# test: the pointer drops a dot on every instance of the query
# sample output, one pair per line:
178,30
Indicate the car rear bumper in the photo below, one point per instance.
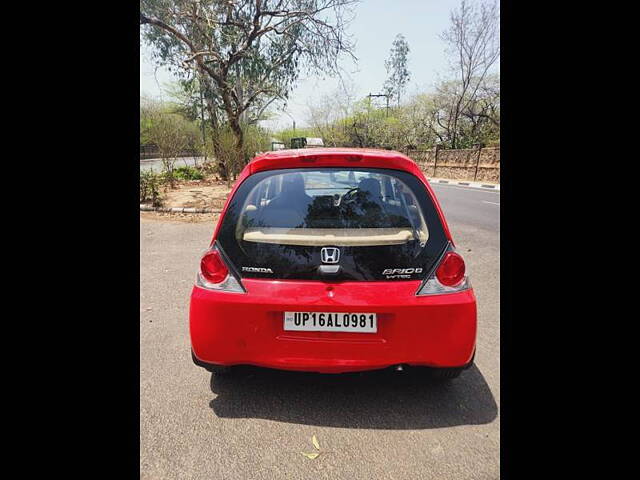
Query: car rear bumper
233,328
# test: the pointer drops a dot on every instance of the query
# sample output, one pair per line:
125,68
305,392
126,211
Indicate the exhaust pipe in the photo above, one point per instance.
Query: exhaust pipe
399,368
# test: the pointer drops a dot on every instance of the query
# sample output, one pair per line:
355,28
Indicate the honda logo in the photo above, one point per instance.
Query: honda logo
330,255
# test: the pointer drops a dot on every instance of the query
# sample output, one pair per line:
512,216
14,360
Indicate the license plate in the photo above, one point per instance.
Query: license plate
331,322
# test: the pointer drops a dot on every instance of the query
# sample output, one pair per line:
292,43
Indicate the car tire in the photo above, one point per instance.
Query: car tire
218,370
450,373
445,374
221,371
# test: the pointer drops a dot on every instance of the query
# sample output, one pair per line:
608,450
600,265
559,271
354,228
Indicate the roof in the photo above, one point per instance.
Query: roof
330,151
333,157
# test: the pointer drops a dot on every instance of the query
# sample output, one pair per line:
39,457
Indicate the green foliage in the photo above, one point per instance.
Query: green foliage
397,69
184,97
256,140
247,54
287,134
188,173
167,125
150,183
171,132
421,122
478,118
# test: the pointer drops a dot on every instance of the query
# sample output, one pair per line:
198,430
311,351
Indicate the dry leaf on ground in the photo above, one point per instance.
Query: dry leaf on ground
311,456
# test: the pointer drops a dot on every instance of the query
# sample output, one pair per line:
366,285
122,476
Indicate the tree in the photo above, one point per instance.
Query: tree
327,115
478,120
148,108
421,122
473,43
398,74
173,134
483,113
250,53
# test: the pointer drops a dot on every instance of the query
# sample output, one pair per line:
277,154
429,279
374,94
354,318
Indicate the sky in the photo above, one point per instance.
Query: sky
376,24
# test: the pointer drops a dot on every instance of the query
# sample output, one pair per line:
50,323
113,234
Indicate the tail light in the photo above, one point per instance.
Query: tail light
212,267
448,277
214,273
450,272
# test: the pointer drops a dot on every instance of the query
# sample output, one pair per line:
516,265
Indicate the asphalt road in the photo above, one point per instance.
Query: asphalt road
194,425
156,163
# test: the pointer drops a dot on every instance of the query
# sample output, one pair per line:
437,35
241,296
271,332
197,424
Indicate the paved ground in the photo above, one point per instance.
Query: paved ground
196,426
156,163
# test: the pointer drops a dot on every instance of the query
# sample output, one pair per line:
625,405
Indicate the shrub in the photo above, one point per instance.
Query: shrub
187,173
150,187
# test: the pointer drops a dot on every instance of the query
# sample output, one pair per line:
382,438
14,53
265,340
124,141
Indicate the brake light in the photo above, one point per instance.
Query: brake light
215,275
212,267
450,272
449,276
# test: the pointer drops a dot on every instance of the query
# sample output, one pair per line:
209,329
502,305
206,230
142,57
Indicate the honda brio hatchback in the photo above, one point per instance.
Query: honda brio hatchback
333,260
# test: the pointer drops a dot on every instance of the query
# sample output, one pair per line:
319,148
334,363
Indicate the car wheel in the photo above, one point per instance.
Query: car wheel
446,373
451,372
221,371
215,369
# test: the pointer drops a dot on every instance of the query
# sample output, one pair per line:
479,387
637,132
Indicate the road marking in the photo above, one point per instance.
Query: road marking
468,189
494,203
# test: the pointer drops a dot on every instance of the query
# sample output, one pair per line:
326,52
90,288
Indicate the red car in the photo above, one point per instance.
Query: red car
333,260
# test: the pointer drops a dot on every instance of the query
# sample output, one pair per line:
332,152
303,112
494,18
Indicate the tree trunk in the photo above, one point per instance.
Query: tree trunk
237,131
215,140
234,123
223,172
454,133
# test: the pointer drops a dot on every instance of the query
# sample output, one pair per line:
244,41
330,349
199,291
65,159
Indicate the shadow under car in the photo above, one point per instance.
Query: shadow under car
382,399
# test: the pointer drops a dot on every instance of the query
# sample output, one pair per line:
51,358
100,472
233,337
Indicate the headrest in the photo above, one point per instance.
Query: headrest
372,186
293,183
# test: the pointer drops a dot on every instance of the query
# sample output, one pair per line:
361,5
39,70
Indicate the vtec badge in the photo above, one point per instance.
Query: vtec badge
400,272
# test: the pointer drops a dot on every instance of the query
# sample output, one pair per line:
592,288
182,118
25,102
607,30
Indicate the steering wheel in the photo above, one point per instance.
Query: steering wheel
346,197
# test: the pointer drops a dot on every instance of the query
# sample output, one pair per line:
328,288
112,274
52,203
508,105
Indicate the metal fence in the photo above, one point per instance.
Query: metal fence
477,164
152,151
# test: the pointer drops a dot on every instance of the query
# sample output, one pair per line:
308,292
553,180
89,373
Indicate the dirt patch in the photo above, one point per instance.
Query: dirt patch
209,193
197,194
179,217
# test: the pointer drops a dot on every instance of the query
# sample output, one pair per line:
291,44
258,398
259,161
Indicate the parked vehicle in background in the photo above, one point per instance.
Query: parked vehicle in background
306,142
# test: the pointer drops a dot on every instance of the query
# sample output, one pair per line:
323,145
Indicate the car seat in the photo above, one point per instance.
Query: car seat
289,208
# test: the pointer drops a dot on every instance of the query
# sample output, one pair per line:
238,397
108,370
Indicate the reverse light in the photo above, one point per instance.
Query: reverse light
214,273
449,276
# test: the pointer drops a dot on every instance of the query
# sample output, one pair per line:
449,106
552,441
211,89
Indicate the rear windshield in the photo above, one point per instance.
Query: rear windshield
332,224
